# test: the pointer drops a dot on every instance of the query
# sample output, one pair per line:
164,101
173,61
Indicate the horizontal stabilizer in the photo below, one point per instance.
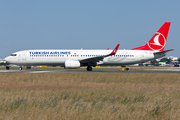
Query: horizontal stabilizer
163,52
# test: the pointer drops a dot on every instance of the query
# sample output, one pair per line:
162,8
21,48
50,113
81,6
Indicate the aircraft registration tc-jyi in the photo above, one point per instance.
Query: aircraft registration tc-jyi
76,58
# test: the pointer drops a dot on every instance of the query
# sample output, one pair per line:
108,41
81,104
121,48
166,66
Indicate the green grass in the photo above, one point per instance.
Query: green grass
99,96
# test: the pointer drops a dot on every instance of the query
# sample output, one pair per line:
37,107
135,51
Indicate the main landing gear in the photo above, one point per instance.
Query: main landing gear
7,67
89,68
28,67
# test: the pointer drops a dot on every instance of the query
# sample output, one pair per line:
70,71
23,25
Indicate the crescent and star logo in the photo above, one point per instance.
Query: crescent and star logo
157,42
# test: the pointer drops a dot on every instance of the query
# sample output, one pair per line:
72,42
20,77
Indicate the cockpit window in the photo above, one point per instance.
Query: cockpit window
13,54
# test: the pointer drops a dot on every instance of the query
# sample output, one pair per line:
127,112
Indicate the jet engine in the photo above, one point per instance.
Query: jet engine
71,64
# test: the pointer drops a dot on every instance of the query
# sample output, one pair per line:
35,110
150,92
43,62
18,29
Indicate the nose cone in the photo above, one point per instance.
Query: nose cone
8,59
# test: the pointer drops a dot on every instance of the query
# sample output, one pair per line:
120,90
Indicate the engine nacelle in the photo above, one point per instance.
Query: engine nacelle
71,64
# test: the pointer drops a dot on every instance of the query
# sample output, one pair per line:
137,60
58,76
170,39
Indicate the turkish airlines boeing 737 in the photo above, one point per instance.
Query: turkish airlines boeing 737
76,58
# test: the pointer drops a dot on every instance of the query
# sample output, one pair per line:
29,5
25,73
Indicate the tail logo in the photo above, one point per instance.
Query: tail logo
157,42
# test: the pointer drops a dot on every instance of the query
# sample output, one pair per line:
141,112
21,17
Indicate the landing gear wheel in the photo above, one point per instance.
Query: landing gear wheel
28,67
89,68
7,67
20,68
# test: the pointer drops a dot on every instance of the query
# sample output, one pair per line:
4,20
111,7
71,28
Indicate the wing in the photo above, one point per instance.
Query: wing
94,60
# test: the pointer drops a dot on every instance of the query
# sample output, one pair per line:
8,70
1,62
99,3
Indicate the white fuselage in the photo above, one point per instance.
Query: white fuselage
58,57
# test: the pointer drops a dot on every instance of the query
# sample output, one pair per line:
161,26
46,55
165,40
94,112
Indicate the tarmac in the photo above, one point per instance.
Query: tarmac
132,70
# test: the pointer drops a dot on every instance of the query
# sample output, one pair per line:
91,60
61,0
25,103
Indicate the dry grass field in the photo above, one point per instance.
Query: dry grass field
89,96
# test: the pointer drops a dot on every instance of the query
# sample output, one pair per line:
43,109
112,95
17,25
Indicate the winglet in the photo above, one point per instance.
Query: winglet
115,50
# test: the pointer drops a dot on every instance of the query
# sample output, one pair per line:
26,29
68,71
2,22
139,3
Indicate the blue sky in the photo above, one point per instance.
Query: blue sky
87,24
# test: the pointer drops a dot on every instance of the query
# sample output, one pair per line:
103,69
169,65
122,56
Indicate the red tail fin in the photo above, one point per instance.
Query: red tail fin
158,41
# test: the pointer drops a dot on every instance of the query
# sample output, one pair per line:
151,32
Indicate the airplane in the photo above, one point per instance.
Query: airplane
152,50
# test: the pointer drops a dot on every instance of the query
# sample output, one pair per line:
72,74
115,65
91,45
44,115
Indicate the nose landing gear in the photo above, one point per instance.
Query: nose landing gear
20,68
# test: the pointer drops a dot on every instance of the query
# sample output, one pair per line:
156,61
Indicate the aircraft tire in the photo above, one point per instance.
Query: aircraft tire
7,67
20,68
89,68
28,67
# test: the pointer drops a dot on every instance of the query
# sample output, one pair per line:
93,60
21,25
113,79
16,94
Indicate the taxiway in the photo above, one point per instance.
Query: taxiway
100,70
